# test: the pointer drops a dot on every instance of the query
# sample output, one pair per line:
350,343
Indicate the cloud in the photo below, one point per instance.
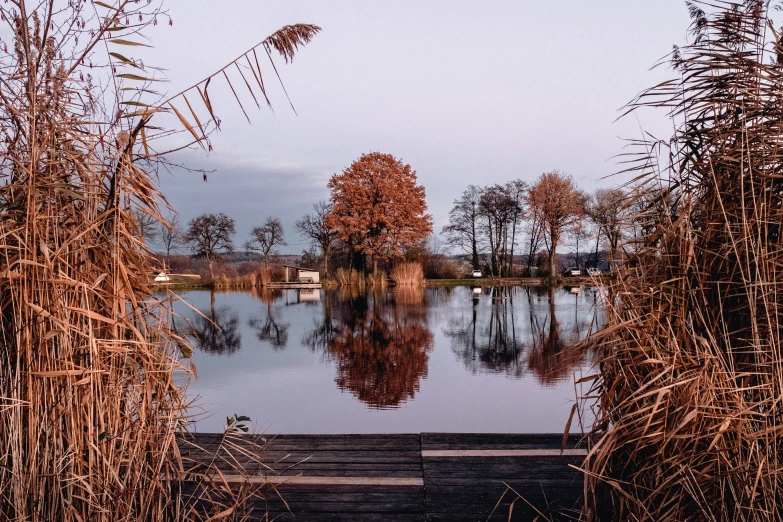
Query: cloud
247,190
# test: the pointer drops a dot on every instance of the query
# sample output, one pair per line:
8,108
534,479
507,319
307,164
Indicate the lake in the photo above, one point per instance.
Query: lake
398,361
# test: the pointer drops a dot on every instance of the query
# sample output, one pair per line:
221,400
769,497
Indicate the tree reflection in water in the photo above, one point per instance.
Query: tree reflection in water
216,330
269,328
381,346
501,342
489,344
553,356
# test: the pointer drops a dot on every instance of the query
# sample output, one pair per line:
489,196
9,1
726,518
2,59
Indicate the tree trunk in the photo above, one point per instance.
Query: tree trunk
475,248
492,252
513,237
552,248
326,262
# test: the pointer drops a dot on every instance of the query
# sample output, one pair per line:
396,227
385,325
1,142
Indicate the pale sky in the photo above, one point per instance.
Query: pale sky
466,92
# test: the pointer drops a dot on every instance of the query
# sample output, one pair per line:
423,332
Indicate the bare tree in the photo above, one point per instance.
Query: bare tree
496,206
517,191
265,238
146,226
313,226
462,230
558,202
171,235
580,232
535,230
608,209
211,234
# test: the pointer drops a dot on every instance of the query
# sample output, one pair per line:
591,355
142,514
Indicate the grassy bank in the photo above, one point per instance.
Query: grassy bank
226,285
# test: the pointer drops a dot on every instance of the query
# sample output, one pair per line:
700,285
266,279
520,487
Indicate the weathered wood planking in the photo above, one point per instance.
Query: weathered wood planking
432,476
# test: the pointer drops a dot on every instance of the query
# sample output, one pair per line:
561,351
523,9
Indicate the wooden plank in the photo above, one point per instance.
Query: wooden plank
538,452
322,456
476,441
323,480
343,517
326,505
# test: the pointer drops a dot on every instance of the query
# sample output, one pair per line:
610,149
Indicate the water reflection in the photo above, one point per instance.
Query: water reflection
502,339
404,360
491,343
554,354
269,328
380,346
216,330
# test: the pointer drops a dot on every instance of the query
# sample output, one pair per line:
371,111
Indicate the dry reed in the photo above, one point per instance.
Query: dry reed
349,277
264,276
408,274
689,421
91,390
259,278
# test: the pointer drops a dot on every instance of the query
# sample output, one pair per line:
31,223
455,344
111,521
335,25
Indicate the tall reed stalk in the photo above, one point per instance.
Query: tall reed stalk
89,404
689,420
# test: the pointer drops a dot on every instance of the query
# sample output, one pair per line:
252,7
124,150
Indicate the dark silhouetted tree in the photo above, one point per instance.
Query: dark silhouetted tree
609,210
171,235
463,228
146,226
313,227
496,207
266,238
210,235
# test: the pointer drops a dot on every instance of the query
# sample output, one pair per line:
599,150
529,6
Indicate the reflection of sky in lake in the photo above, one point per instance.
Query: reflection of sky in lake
440,359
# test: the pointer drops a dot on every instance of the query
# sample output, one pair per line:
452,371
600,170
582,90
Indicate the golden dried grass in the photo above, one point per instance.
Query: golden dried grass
409,274
91,387
689,420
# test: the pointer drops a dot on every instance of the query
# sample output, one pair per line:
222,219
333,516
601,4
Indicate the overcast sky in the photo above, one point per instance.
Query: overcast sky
466,92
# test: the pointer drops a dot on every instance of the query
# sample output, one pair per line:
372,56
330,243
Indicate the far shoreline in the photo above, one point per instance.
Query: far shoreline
537,282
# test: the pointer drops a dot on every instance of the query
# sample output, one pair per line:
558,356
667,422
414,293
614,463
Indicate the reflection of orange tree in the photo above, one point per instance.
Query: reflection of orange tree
380,360
551,356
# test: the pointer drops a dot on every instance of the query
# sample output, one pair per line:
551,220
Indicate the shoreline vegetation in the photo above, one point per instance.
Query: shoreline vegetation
243,283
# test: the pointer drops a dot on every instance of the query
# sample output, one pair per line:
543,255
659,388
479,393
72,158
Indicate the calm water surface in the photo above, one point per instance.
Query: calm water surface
401,361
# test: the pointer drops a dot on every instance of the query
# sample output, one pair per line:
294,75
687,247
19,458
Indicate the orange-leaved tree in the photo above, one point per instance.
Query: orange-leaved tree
557,202
379,209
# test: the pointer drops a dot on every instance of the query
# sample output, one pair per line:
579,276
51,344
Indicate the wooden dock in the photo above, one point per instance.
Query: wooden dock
293,285
403,478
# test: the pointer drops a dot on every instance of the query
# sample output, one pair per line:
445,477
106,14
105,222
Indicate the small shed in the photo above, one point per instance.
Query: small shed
297,274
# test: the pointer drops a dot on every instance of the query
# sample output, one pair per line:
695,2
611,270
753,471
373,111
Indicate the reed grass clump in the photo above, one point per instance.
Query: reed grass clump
91,388
264,276
689,422
409,274
349,277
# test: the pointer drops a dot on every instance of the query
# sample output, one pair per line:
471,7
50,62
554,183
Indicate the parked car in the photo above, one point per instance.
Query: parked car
573,271
477,273
593,271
